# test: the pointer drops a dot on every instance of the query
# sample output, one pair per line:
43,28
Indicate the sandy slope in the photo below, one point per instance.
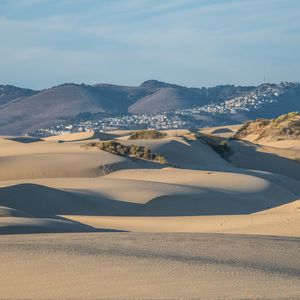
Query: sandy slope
83,136
285,144
222,131
166,192
260,157
48,159
206,197
12,225
183,153
229,179
11,212
279,224
149,266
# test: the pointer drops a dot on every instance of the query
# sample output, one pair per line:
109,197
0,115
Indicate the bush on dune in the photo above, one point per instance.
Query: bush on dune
218,144
134,151
147,135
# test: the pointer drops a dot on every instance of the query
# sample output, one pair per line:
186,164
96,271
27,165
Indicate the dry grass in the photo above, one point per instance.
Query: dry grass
286,126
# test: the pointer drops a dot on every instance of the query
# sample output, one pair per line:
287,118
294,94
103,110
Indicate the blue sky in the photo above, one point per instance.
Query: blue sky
188,42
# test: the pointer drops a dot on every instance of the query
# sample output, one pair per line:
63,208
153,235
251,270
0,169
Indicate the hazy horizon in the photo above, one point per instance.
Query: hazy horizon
187,42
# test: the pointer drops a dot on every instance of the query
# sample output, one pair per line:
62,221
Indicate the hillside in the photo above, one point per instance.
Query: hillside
58,104
166,99
25,111
10,92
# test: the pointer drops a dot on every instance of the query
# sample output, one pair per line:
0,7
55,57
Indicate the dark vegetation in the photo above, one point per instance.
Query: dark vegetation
218,144
133,151
147,135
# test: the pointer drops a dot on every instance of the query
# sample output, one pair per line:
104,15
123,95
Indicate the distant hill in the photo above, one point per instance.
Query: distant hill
10,92
25,110
62,102
167,97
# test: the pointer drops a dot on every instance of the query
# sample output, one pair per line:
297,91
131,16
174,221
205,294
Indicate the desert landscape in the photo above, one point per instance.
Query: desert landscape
171,214
149,150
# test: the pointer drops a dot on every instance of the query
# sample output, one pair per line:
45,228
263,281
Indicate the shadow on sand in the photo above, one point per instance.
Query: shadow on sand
40,201
24,139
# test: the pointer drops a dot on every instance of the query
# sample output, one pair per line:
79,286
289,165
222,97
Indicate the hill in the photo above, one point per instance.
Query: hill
58,104
25,111
166,99
10,92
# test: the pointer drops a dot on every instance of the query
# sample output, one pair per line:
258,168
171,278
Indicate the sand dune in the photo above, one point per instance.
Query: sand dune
222,131
206,194
61,165
83,136
52,160
230,179
162,192
292,207
284,144
13,225
11,212
47,179
275,224
197,230
183,153
253,156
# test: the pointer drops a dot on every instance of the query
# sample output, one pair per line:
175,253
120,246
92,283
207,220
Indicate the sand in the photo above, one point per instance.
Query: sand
248,155
149,266
222,131
200,226
53,179
50,159
281,224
